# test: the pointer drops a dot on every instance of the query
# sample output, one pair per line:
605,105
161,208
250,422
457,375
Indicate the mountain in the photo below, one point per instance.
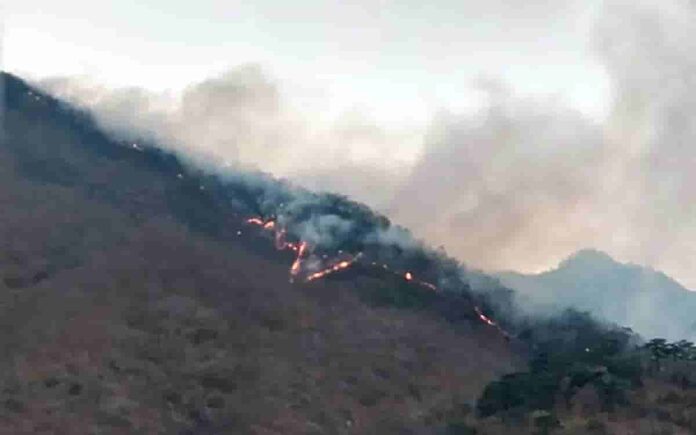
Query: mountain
135,298
644,299
143,293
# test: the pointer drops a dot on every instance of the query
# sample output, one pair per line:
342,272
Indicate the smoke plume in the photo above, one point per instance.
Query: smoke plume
520,184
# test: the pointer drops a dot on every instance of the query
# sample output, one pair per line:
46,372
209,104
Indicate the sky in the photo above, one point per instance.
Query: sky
512,134
383,55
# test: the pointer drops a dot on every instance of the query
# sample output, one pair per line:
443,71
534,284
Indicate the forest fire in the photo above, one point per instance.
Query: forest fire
297,264
335,268
281,243
490,322
408,276
255,221
484,318
302,250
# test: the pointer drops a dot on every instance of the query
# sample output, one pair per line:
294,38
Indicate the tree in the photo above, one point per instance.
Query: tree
684,350
659,350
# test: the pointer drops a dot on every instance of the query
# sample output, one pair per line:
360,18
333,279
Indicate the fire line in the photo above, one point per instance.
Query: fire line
302,249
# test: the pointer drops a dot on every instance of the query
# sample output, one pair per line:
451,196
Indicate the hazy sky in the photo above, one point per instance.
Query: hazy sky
399,59
511,132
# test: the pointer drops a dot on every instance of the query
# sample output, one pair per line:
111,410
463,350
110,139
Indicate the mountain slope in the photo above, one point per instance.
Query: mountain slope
134,299
646,300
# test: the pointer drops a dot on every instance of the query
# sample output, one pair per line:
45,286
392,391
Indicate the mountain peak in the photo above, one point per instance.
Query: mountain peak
621,293
592,258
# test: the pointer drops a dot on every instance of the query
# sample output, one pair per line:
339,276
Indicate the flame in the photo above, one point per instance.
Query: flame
408,276
345,264
487,320
297,264
281,243
484,318
303,247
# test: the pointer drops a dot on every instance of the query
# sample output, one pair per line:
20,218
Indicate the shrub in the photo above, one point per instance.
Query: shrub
519,390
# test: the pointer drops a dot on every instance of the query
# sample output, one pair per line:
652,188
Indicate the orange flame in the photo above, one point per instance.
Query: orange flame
281,243
487,320
297,264
255,221
302,247
408,276
484,318
345,264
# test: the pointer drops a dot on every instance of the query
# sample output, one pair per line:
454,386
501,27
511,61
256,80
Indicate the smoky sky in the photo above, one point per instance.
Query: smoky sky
519,184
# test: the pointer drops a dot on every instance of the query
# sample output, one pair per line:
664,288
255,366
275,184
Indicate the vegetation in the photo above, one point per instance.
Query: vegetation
568,353
572,353
135,300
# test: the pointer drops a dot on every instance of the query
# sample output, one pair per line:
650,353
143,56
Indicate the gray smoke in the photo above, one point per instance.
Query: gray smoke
512,179
649,49
529,181
520,184
241,119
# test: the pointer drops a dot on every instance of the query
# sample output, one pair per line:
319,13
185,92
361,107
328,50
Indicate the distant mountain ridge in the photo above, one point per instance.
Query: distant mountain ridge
646,300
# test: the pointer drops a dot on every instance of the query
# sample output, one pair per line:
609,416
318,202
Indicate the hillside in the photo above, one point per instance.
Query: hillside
141,293
646,300
135,299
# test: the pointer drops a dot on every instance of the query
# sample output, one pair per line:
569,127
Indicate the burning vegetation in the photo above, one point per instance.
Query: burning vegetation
323,266
569,352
